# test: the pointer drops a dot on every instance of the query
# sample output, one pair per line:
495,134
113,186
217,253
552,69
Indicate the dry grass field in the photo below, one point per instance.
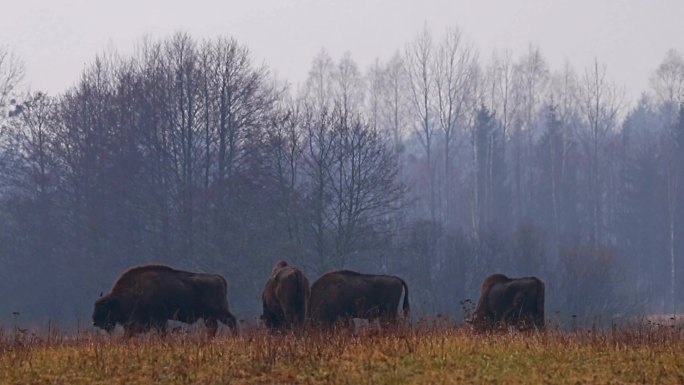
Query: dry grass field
418,355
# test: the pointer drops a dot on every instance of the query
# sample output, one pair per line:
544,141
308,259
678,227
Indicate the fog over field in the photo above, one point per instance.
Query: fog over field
440,142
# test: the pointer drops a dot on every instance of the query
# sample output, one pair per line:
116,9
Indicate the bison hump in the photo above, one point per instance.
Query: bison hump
134,275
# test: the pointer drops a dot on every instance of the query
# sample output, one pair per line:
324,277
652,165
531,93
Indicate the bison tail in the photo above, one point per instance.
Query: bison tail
405,307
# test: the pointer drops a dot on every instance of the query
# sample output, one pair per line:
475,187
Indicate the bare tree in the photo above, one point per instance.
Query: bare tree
485,152
553,152
672,189
395,100
601,103
455,78
376,85
675,198
352,186
561,118
35,137
11,75
531,81
564,89
184,130
244,100
349,86
418,60
668,84
500,78
532,78
668,80
319,91
318,158
286,143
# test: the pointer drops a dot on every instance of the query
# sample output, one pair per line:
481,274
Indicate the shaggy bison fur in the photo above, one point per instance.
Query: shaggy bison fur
517,302
340,296
148,296
285,298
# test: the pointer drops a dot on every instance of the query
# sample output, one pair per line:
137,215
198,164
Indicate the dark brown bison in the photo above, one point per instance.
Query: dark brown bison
517,302
342,295
285,298
148,296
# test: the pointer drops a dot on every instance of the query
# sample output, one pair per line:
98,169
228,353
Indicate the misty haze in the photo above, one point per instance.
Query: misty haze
441,163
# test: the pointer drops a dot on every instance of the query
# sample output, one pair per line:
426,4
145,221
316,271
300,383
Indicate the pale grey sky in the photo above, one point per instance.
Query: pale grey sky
56,39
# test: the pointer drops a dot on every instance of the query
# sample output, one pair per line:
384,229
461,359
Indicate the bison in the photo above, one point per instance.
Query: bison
285,298
148,296
342,295
517,302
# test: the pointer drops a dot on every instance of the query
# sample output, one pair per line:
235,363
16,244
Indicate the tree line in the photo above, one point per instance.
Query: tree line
435,164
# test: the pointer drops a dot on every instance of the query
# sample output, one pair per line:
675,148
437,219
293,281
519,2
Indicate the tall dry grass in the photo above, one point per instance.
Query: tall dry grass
424,353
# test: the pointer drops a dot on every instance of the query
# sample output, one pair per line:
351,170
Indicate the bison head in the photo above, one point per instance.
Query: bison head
107,313
480,323
232,323
279,265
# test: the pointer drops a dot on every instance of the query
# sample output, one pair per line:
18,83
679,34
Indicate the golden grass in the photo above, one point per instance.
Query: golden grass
418,355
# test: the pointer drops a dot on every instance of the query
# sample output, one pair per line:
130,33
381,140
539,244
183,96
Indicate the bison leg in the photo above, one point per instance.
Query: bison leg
293,312
229,320
288,318
347,323
212,326
515,315
538,321
160,326
387,321
133,328
294,319
388,316
271,319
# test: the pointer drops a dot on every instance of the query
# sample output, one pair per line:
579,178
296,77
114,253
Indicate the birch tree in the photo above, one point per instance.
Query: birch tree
319,90
500,87
395,100
668,80
419,56
601,103
349,87
531,73
455,78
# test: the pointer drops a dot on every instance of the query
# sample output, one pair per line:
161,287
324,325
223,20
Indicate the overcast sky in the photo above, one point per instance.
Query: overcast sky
56,39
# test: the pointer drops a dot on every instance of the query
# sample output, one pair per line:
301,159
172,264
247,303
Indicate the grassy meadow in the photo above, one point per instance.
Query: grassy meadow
422,354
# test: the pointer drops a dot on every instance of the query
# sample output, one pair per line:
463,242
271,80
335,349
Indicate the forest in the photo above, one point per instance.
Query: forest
441,164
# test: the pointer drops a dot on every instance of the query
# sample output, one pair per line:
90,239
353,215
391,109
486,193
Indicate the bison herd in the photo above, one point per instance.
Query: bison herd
147,297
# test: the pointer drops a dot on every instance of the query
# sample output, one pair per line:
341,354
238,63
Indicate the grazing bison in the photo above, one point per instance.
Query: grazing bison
285,298
504,301
146,297
343,295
